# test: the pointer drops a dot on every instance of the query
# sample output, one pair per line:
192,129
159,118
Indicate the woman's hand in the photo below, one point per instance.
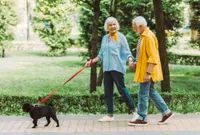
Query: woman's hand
89,63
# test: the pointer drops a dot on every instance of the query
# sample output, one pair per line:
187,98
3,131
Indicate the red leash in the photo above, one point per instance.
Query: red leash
47,97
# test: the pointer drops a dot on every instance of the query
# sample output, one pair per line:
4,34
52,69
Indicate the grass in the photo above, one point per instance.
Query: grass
35,74
185,78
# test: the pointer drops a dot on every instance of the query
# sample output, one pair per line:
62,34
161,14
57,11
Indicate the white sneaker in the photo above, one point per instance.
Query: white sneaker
107,119
135,116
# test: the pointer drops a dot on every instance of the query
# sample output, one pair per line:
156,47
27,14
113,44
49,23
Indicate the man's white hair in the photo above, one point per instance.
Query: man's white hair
139,21
109,20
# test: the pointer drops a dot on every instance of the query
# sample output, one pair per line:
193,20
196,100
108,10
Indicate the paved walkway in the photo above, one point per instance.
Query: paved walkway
187,124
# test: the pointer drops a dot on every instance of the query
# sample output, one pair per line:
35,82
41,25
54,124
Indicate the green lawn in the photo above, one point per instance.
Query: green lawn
34,74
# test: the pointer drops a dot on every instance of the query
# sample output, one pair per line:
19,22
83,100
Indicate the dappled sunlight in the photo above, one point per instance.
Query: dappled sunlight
177,75
188,51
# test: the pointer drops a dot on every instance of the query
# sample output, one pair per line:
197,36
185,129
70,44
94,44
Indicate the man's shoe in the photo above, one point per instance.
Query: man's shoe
165,118
138,123
107,119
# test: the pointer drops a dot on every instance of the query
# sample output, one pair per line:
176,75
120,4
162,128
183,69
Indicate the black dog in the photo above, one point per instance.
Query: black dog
37,112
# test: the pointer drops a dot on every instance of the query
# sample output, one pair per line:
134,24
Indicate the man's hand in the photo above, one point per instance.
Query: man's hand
147,78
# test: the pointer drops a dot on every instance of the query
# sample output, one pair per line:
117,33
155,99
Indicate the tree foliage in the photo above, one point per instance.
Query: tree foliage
51,20
195,21
125,11
173,16
85,23
8,18
195,14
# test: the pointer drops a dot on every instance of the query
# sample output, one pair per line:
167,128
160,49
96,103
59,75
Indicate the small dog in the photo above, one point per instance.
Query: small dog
37,112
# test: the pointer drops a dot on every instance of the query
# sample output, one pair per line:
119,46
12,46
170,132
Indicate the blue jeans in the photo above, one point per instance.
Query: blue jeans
111,77
147,91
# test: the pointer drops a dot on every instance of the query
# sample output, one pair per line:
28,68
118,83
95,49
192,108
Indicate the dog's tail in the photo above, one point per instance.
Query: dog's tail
52,107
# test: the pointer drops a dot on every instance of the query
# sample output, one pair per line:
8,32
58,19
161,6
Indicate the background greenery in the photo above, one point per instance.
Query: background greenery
8,19
125,11
26,76
51,21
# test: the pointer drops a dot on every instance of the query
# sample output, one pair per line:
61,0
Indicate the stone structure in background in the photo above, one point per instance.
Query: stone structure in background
23,31
25,38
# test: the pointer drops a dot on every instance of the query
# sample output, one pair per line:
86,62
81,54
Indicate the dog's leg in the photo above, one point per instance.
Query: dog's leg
35,123
48,121
56,120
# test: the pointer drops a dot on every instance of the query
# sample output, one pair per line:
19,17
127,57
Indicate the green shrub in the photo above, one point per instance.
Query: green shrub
94,104
185,59
195,43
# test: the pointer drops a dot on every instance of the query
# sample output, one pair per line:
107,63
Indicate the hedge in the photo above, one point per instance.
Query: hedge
93,104
184,59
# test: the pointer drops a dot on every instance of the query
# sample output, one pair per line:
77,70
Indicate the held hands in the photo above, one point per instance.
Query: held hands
132,66
89,63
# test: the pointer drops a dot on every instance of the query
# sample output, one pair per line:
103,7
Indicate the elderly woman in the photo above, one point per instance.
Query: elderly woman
148,71
114,53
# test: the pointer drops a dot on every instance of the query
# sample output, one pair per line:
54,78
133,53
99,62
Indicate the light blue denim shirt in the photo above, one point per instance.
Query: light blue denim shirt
114,54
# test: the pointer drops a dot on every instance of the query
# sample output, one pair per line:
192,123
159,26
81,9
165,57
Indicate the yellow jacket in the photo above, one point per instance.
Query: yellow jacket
148,53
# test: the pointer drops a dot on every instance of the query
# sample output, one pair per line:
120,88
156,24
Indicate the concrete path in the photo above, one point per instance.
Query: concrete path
180,124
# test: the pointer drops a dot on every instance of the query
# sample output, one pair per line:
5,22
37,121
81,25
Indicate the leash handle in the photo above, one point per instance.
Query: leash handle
91,61
52,93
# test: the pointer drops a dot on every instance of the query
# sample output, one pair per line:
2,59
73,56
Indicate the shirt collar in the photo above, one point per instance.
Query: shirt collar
145,32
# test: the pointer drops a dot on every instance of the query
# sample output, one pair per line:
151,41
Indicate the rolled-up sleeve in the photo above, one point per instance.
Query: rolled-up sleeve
125,48
152,51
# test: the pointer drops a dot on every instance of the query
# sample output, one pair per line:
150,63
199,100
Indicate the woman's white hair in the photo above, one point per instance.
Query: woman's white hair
139,21
109,20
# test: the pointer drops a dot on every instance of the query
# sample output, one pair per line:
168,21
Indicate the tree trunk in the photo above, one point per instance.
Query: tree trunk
28,18
113,7
94,42
100,76
160,31
3,52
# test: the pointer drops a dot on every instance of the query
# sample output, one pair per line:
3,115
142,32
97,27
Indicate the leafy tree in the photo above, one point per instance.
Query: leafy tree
195,23
173,16
125,11
195,16
90,33
85,26
51,20
8,18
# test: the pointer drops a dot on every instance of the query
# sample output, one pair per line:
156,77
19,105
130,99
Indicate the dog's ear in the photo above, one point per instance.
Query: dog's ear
27,107
24,107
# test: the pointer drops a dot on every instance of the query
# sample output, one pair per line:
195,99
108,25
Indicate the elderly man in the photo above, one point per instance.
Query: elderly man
148,71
